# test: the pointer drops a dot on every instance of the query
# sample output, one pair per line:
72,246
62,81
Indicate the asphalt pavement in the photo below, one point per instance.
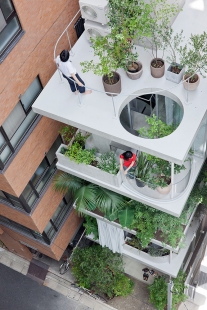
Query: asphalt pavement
18,292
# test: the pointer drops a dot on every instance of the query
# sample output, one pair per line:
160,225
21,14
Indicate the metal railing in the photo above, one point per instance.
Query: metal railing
110,93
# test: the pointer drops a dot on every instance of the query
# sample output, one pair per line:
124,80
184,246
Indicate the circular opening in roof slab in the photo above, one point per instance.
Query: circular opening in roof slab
151,115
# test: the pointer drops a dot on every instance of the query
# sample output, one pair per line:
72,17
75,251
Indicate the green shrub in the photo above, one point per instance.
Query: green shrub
158,291
100,270
91,226
123,286
67,132
76,153
108,163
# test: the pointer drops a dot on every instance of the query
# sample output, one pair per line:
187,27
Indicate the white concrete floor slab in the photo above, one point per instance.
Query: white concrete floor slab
96,111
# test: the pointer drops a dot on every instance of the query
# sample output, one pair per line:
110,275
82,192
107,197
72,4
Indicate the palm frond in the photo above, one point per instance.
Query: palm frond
108,200
64,182
85,198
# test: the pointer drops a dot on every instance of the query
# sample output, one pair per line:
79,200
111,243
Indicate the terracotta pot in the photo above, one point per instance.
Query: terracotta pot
157,72
191,86
112,88
135,75
164,190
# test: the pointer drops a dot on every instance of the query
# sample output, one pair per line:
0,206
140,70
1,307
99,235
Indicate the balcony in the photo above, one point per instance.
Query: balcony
171,262
171,202
101,115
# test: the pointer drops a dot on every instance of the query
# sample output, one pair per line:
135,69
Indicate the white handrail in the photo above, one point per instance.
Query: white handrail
114,94
64,32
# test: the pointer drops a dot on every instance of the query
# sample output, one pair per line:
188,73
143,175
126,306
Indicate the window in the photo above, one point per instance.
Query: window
52,228
41,176
59,216
37,183
10,28
18,123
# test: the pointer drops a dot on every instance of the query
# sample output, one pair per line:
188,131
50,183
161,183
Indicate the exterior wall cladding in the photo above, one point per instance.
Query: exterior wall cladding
43,22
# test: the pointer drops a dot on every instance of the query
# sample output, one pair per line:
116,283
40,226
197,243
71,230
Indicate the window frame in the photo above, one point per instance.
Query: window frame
15,39
6,138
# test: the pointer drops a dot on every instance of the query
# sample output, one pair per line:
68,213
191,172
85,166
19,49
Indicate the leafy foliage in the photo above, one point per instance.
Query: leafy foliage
193,55
108,163
160,16
146,220
112,51
160,168
91,226
157,252
157,128
67,132
143,167
98,269
158,291
81,156
135,243
87,195
173,43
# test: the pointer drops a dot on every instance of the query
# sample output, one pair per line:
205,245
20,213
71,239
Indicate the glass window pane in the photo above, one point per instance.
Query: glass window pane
51,153
14,120
27,192
31,93
8,33
49,230
32,200
36,176
7,7
2,140
2,21
45,178
2,195
58,210
5,154
22,130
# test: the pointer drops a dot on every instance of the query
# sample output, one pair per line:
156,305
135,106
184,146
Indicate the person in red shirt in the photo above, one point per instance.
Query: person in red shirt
128,162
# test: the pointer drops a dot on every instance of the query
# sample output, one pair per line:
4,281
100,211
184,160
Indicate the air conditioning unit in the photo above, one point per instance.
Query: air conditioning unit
93,30
95,10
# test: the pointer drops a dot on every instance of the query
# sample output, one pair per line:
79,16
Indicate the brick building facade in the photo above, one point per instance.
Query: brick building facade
30,210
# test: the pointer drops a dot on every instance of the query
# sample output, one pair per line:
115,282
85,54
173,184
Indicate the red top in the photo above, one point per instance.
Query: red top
128,162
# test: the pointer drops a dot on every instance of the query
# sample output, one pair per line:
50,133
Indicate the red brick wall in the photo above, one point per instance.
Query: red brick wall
43,22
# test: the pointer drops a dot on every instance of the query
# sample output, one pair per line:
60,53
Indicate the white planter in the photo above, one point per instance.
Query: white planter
88,170
137,254
164,190
173,77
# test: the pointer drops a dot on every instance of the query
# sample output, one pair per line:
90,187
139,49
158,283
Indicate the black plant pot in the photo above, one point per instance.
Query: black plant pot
140,183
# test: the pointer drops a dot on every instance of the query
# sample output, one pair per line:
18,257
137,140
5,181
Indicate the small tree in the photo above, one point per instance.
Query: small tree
130,18
161,14
172,43
193,56
112,51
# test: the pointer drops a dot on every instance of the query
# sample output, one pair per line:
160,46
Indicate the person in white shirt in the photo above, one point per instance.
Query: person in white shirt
69,72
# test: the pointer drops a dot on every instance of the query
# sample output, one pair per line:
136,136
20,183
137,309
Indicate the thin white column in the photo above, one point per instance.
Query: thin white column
172,179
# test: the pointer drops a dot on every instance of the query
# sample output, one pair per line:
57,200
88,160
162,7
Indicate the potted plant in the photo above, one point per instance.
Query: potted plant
88,162
134,67
161,14
175,71
160,177
193,56
107,49
130,18
142,170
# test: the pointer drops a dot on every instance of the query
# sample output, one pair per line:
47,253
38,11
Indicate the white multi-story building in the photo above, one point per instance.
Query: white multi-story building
113,124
